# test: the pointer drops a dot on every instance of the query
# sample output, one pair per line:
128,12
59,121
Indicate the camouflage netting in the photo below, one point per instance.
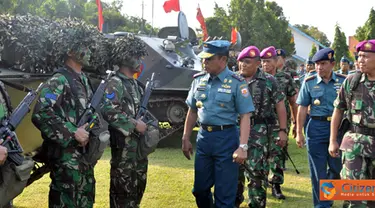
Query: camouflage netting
127,48
37,45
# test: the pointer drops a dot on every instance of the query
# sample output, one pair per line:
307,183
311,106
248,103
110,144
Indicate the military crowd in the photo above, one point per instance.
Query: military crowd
245,118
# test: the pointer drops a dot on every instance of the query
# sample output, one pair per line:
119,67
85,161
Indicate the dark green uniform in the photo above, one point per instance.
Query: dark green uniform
266,94
55,115
128,174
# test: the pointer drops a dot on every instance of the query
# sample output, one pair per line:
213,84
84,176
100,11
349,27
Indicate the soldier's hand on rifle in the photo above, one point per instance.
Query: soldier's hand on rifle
141,127
3,154
239,156
333,149
187,148
81,135
283,138
300,140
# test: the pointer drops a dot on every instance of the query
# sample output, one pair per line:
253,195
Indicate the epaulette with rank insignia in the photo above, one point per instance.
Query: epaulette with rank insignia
341,75
199,74
310,78
238,77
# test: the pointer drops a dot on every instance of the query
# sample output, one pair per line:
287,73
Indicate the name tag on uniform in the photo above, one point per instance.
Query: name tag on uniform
201,88
225,90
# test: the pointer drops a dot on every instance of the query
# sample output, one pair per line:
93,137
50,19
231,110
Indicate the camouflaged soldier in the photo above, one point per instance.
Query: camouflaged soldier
266,97
287,66
122,100
356,96
56,115
288,87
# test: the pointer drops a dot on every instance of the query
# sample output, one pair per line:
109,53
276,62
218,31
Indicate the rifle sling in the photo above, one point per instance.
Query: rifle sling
69,76
17,86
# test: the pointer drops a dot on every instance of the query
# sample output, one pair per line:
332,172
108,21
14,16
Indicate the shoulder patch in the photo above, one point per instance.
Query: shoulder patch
310,78
199,74
110,96
51,96
238,77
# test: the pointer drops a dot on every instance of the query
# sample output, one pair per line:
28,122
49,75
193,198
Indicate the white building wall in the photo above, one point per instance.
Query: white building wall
303,45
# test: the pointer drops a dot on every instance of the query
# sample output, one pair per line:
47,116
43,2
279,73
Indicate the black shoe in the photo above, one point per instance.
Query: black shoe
276,191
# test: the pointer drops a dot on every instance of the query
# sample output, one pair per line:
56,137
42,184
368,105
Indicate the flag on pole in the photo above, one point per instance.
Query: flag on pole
100,16
170,5
200,19
234,35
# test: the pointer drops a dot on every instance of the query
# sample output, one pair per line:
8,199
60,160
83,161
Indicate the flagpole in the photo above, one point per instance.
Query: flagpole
152,19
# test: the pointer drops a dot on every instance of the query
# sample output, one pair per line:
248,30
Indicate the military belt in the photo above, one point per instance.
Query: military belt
211,128
363,130
321,118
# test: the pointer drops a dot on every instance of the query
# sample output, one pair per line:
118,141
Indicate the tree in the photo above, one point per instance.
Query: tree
313,51
259,23
339,46
315,33
367,31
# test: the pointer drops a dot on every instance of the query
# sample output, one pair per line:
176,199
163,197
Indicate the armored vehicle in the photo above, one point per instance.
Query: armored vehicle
172,58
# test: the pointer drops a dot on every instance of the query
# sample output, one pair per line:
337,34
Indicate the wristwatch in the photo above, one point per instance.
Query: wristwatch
244,147
284,130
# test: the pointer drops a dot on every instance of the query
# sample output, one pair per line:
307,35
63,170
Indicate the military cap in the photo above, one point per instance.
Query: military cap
268,53
344,59
366,46
281,52
214,47
249,52
326,54
308,61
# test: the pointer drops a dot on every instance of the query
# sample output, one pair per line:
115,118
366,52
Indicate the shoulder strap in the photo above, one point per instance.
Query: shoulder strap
6,98
353,84
73,87
262,85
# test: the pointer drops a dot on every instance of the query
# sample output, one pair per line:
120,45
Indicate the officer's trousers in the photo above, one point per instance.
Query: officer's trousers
214,166
317,139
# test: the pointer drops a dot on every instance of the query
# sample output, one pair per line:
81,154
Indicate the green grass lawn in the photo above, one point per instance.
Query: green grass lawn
170,180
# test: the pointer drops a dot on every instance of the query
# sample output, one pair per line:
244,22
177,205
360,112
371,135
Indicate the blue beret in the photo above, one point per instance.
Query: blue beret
281,52
214,47
344,59
326,54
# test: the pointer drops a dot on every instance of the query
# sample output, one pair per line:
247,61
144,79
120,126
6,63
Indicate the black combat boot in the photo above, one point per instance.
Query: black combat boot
276,191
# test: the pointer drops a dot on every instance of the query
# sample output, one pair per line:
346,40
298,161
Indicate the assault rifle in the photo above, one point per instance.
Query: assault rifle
143,113
8,126
88,115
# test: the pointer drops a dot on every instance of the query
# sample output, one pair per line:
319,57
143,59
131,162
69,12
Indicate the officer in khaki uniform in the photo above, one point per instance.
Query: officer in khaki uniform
357,98
216,98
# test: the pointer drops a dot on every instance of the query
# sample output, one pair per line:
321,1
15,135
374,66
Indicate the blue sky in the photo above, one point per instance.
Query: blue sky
320,13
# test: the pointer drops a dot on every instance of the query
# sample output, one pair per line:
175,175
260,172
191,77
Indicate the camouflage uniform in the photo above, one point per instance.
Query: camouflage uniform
293,73
277,157
73,182
266,94
128,174
4,112
358,148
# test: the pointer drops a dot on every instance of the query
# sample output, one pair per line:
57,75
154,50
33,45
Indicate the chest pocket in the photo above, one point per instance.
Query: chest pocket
223,100
200,95
316,94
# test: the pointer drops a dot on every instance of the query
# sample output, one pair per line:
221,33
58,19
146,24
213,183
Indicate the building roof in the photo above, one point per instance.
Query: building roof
298,58
307,36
